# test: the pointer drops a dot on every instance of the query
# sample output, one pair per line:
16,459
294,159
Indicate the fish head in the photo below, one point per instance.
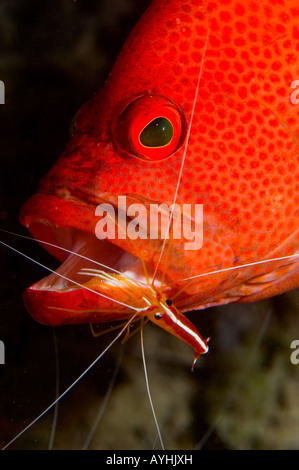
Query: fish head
195,116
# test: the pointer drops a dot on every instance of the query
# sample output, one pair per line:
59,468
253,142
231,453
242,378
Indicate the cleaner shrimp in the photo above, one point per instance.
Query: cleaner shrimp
235,330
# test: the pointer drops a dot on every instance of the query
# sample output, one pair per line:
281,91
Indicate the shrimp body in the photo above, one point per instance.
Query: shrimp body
159,309
168,317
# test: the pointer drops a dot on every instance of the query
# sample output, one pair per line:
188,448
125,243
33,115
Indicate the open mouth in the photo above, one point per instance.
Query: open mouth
76,292
88,253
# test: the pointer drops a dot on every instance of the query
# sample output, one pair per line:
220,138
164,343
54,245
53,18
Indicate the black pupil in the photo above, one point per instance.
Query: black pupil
157,133
158,316
168,302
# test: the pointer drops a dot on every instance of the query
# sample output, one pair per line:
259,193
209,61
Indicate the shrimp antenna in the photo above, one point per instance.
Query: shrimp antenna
67,279
185,150
73,383
105,402
147,386
55,416
247,265
65,250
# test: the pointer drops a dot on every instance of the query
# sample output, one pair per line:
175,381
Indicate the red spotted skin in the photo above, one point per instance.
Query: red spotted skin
242,156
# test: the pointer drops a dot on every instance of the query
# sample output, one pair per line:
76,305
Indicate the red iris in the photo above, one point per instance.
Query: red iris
151,127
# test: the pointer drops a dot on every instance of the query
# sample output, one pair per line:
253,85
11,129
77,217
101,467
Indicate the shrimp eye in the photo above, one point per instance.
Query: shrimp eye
151,127
168,302
158,316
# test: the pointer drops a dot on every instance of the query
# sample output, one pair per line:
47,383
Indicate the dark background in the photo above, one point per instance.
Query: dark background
53,56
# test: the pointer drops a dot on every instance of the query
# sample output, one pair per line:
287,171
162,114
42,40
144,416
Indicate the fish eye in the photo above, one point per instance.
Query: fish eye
157,133
158,316
168,302
151,127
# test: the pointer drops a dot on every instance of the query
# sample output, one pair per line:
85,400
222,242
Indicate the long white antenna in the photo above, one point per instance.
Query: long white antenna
79,255
55,417
131,320
104,403
67,279
233,268
148,389
185,151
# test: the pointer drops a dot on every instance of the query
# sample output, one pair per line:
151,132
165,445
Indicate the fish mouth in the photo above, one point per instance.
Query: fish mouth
65,227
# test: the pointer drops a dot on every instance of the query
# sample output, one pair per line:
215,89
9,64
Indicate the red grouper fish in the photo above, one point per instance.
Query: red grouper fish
200,113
